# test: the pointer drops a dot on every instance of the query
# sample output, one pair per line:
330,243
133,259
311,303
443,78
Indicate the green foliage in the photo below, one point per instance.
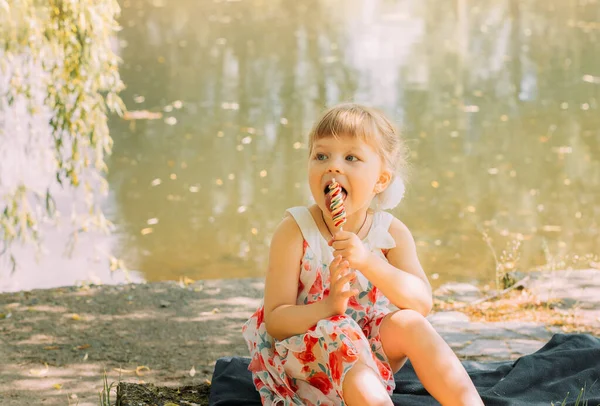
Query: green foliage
104,395
61,50
580,401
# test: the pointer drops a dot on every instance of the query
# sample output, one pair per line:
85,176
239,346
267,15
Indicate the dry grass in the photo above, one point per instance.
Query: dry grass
522,305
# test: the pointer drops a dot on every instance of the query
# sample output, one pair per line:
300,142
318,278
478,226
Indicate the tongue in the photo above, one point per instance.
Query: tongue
328,201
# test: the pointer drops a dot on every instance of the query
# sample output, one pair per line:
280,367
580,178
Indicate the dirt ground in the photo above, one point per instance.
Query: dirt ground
56,344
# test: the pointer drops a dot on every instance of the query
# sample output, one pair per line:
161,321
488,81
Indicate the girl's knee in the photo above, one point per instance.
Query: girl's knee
408,321
399,332
414,319
362,386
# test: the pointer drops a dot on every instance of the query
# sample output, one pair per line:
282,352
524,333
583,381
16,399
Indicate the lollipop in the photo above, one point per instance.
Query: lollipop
338,212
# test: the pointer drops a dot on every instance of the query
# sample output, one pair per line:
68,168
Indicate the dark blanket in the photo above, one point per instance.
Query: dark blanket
555,373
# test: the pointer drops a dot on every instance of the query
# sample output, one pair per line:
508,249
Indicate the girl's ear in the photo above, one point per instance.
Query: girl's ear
384,180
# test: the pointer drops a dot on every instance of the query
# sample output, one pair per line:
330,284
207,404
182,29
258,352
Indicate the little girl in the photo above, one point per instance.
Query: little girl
325,334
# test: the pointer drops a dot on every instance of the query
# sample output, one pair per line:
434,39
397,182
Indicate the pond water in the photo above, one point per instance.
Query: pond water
498,102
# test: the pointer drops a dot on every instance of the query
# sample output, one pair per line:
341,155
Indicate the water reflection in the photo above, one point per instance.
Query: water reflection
498,101
502,126
236,157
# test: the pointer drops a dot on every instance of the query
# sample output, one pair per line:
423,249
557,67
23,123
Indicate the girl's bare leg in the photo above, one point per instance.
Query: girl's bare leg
406,333
362,387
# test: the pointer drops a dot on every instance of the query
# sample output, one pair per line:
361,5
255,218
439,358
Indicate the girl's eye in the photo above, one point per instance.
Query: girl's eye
351,158
320,157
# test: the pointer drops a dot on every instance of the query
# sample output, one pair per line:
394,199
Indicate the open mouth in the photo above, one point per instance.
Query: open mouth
328,196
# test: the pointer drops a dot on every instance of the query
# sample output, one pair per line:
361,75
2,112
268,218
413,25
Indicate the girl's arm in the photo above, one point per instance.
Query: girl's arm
402,279
283,318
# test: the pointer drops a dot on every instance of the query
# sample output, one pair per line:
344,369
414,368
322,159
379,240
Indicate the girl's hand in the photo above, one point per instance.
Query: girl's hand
339,290
350,248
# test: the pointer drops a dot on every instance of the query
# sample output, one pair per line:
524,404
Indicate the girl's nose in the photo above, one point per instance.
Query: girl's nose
333,167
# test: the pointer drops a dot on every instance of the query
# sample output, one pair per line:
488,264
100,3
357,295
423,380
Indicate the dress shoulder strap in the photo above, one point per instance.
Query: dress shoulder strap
383,219
307,225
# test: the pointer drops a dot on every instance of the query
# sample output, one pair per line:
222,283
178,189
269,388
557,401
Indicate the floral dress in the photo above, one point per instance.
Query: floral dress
309,369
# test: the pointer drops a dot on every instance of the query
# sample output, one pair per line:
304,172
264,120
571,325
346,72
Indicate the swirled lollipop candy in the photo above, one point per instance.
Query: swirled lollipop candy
338,212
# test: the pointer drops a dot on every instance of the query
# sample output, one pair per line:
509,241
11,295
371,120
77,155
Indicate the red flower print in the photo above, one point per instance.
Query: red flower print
284,390
353,302
351,333
337,317
348,353
336,365
372,295
300,286
367,330
383,370
310,342
290,383
321,381
256,364
258,384
317,287
260,316
307,355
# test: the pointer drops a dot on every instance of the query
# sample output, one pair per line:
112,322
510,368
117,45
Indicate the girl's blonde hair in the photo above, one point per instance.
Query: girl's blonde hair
369,125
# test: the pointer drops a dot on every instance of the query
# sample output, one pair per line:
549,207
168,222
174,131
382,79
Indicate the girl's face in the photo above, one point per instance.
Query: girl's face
354,164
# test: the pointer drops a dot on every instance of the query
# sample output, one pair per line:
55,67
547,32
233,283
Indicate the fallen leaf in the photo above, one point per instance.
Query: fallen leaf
75,317
185,281
57,386
139,370
85,357
141,115
124,371
39,372
171,404
83,347
52,347
192,371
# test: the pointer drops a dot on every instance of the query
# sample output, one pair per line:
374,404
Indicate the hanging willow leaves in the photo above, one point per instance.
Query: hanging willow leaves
58,81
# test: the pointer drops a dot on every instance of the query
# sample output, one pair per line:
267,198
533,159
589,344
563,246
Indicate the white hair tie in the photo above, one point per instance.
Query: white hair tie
391,196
